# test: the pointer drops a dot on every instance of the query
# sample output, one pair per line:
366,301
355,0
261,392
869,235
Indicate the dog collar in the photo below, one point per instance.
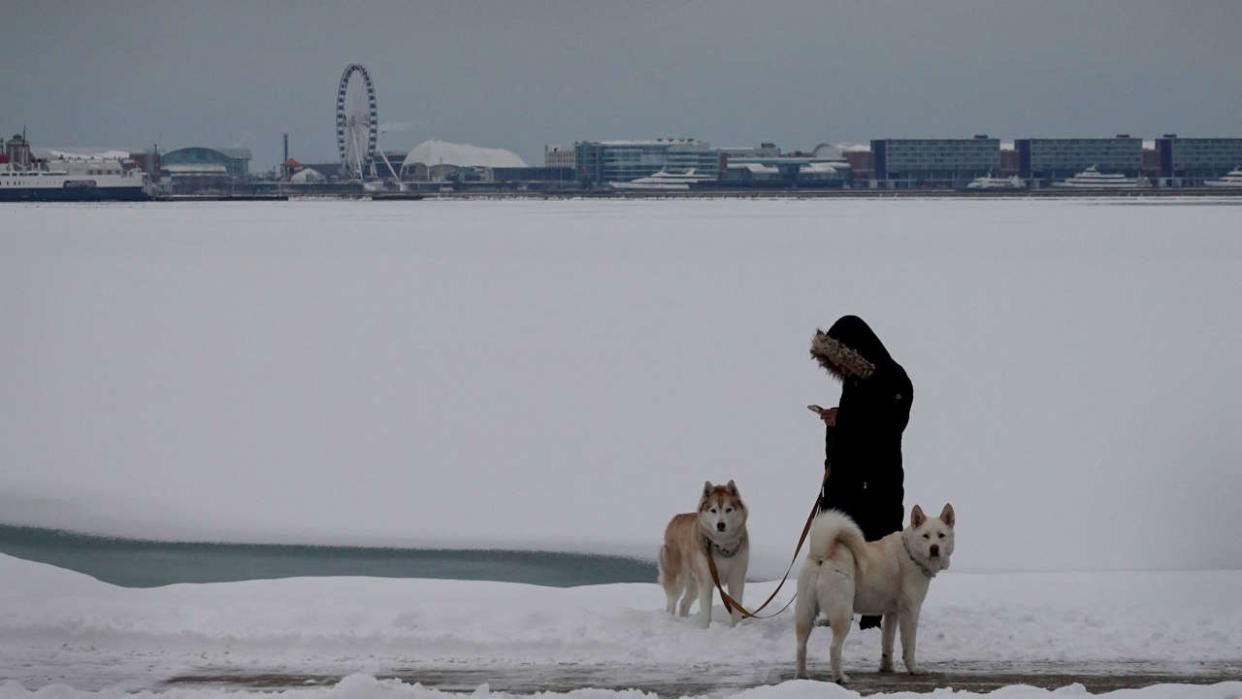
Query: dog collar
720,550
926,571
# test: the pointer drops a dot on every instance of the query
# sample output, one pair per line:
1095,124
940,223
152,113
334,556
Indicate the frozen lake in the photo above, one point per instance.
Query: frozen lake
564,375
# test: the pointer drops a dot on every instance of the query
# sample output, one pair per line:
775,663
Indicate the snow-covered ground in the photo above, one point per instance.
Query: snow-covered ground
61,627
565,375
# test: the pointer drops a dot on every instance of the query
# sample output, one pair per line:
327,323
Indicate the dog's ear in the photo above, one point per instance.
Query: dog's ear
917,517
707,488
732,488
947,516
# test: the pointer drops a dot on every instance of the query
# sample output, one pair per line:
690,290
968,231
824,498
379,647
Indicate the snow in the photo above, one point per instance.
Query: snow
566,374
361,686
61,627
82,153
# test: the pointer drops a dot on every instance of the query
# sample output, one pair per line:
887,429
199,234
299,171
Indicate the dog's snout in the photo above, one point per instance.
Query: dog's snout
720,526
935,549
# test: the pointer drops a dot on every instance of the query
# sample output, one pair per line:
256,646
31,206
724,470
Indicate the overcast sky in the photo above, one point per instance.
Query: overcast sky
520,75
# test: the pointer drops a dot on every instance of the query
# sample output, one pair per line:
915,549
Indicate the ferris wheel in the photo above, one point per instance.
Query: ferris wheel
357,122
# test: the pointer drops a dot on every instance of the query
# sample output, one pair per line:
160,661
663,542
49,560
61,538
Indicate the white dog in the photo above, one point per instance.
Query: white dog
844,574
720,524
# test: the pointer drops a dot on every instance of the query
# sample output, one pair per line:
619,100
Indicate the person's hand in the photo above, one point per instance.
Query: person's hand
829,416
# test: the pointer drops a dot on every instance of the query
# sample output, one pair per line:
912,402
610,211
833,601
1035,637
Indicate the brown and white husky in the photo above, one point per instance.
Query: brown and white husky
719,524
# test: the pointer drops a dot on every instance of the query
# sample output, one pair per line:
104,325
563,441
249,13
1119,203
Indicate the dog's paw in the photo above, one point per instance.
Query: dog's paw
914,670
841,678
886,666
801,675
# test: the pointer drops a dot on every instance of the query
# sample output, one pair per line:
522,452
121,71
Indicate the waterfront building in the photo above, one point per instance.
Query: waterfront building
862,164
307,176
17,152
754,174
558,156
438,161
195,178
1151,161
933,162
1047,160
196,169
335,170
149,160
1189,162
1008,161
561,175
234,161
764,150
600,162
767,166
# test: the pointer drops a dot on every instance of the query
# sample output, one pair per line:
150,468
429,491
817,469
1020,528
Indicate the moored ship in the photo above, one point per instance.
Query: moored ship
990,182
24,177
1092,178
662,180
1232,180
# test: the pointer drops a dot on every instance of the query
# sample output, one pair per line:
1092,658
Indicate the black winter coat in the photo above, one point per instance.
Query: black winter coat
863,449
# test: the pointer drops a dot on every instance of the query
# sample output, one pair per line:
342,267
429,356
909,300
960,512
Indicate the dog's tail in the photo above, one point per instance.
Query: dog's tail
833,527
662,564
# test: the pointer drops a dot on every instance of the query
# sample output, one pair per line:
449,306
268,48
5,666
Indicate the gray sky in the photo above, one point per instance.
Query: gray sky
522,74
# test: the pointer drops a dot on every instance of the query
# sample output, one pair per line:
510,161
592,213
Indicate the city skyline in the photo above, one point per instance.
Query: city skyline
524,75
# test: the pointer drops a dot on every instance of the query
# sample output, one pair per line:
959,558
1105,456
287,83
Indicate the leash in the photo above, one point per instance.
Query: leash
731,604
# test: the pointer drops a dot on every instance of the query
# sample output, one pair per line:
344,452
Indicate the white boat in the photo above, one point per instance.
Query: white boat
1232,179
25,178
989,182
662,180
1092,178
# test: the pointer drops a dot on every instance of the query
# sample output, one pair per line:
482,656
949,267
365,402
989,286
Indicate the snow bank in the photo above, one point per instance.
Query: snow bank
60,626
366,687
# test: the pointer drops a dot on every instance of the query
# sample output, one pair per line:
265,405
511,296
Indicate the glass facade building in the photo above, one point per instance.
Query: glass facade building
1051,159
236,161
558,156
1190,161
601,162
934,162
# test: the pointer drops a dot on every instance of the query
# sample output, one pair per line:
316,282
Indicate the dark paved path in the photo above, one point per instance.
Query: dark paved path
717,680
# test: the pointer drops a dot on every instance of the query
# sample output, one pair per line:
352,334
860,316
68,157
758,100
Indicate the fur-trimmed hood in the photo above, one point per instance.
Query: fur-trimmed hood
850,349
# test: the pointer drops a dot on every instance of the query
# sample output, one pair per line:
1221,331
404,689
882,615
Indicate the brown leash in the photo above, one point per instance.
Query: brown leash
730,603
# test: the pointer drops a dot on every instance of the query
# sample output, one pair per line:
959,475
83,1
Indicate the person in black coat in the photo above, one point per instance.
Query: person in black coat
862,443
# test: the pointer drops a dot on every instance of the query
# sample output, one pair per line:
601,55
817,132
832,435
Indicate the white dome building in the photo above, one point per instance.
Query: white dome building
438,160
308,175
827,151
